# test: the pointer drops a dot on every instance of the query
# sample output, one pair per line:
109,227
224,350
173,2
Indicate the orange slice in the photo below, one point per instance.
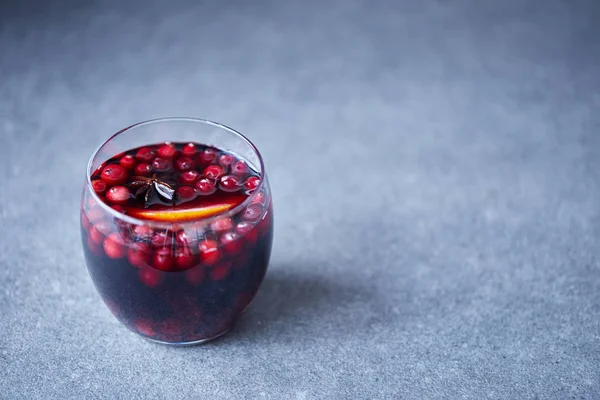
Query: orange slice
181,215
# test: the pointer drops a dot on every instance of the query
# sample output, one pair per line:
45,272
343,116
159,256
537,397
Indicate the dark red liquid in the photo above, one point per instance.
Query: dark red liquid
180,279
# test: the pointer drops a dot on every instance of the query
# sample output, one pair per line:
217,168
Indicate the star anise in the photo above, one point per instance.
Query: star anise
155,190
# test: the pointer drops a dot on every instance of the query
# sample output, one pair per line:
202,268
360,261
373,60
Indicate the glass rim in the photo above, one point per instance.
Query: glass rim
170,224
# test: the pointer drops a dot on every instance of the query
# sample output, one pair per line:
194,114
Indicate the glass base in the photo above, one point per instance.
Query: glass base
192,343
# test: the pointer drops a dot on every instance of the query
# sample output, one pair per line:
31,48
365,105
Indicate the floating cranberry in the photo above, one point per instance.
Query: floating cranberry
114,174
161,164
114,246
214,171
185,239
85,222
139,254
253,212
209,252
150,277
162,239
246,230
143,169
163,259
240,168
145,154
184,259
127,161
195,276
99,186
98,232
144,327
189,149
252,183
184,194
231,242
189,177
222,225
143,232
118,195
95,215
206,187
220,271
167,151
230,183
206,156
258,198
226,159
184,163
94,247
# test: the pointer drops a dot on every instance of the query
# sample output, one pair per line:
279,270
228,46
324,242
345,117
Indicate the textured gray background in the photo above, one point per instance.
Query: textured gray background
435,166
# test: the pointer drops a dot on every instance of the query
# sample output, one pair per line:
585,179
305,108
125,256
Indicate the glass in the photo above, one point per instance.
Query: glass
188,306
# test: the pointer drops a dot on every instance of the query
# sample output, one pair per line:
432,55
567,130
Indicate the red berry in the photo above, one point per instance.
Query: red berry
205,187
214,171
209,252
167,151
226,160
222,225
184,163
259,198
85,222
150,277
252,183
95,215
114,174
206,156
184,239
162,239
144,327
143,232
189,149
240,168
184,259
189,177
98,232
195,276
163,259
161,164
230,183
127,161
114,246
94,247
184,194
246,229
231,243
145,154
139,254
253,212
118,195
220,271
143,169
99,186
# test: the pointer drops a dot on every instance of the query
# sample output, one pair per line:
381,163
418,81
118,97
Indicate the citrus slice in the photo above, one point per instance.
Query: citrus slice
181,215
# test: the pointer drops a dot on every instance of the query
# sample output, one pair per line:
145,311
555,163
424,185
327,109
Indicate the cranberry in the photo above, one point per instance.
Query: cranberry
167,151
184,239
144,327
209,252
150,277
195,276
114,246
85,222
127,161
184,163
163,259
161,164
94,247
143,169
231,243
205,187
99,186
240,168
139,254
222,225
119,208
214,171
189,177
162,239
220,271
95,215
252,183
253,212
184,259
114,174
185,193
226,160
246,229
189,149
259,198
98,232
118,195
143,232
206,156
230,183
145,154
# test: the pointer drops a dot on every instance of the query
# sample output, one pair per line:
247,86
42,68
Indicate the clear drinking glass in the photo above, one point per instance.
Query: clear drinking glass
178,306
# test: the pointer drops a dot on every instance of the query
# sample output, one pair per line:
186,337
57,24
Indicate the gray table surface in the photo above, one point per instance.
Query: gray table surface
435,168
